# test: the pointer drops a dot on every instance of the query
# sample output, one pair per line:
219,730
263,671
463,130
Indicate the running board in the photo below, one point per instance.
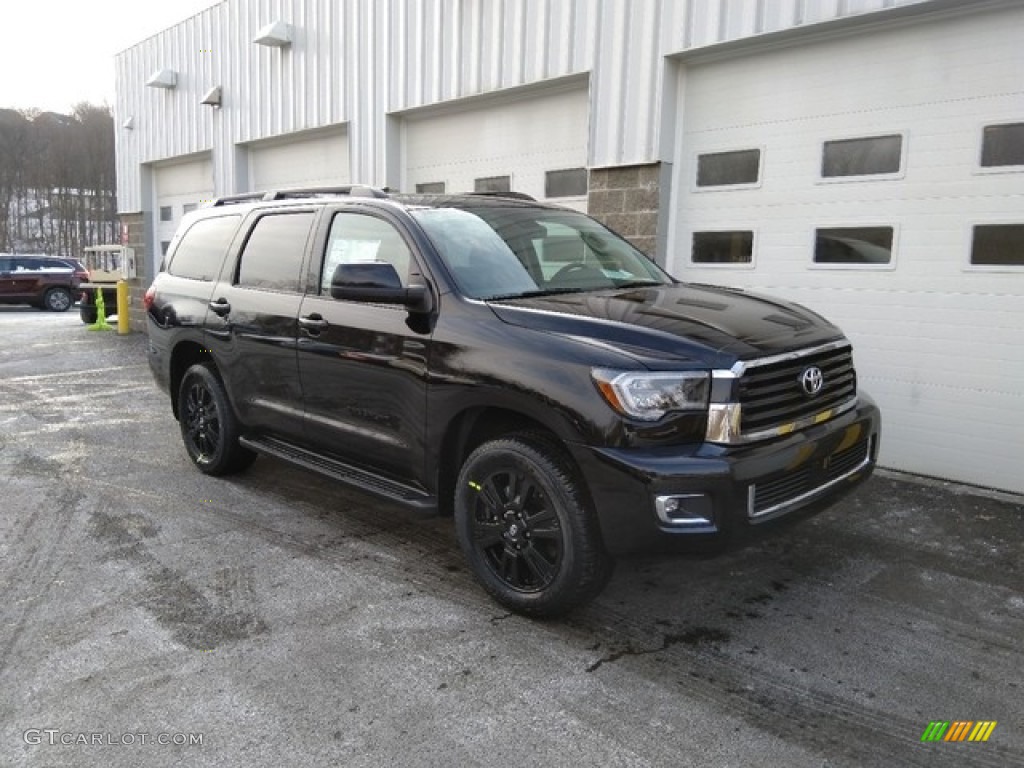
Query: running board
346,473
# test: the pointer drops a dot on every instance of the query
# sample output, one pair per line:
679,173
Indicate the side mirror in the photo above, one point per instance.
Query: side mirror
377,282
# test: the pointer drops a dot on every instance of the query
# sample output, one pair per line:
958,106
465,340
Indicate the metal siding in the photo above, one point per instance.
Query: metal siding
356,61
937,342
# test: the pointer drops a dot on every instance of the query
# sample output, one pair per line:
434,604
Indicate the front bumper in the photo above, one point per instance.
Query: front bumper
725,494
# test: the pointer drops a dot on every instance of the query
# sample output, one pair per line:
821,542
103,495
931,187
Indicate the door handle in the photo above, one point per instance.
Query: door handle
220,307
313,323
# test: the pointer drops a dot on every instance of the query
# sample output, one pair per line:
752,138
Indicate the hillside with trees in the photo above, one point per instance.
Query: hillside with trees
57,183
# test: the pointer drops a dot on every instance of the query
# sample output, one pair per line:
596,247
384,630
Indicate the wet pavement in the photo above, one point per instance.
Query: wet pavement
154,616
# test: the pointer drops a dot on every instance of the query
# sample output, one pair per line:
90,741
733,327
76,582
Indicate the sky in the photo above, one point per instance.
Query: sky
56,53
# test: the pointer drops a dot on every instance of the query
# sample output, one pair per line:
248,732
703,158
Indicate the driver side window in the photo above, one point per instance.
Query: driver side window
359,238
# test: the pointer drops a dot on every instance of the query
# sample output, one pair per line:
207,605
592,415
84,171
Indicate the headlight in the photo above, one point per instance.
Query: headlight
650,395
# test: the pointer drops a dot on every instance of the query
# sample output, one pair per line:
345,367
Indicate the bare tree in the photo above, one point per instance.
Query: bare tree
57,183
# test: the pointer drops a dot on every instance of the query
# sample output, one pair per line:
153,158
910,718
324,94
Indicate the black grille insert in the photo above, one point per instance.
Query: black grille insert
773,395
805,481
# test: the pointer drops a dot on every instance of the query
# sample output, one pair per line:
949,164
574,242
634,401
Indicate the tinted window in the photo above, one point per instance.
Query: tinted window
493,184
1002,145
356,238
272,256
431,188
853,245
862,157
202,248
998,245
723,247
504,252
567,183
724,168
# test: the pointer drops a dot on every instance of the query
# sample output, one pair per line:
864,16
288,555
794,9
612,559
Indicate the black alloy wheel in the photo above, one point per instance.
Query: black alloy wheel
208,425
529,536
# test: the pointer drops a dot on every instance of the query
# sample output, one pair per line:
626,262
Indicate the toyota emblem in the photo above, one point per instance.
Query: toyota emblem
811,380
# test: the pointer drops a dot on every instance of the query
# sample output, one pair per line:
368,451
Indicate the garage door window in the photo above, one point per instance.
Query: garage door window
736,247
568,183
431,188
998,245
166,213
272,257
493,184
864,246
201,250
719,169
1002,145
873,156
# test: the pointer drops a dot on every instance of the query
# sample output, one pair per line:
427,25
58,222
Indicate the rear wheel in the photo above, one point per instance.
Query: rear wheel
526,528
57,299
209,428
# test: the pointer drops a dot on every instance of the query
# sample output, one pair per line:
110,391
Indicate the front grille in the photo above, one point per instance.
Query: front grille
771,495
772,395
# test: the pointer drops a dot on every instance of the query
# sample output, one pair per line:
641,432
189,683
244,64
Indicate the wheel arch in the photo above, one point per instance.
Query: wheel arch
471,428
185,355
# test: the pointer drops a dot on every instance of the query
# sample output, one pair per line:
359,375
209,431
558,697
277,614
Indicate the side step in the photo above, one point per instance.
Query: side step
346,473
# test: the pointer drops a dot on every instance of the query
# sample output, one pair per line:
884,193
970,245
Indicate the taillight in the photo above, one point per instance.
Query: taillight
147,300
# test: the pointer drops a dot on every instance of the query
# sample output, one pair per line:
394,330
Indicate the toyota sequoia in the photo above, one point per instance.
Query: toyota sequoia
515,365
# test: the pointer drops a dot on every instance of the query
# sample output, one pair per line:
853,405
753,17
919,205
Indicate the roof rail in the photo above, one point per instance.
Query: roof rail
352,190
512,195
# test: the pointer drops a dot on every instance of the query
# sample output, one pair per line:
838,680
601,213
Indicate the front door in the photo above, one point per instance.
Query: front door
363,366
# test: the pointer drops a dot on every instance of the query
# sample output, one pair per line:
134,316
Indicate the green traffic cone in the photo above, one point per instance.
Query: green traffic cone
101,323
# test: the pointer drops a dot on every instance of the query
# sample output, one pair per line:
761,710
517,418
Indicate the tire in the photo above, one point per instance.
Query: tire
526,528
57,300
209,428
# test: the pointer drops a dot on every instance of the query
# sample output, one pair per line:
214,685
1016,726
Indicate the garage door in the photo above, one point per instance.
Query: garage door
319,160
535,144
180,187
879,179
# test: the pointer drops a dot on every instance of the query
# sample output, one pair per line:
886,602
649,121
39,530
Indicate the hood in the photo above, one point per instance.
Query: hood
688,323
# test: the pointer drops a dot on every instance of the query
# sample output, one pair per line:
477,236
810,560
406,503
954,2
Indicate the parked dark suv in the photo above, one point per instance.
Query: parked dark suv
44,282
515,364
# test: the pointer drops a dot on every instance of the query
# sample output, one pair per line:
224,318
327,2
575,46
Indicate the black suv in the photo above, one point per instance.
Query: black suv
42,281
515,364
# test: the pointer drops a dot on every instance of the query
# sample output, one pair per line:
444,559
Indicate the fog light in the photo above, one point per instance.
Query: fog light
684,509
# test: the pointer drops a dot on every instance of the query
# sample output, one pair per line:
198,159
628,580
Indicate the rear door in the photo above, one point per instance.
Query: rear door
252,326
363,365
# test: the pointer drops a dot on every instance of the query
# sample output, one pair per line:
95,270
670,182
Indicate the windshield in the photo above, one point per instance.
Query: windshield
495,252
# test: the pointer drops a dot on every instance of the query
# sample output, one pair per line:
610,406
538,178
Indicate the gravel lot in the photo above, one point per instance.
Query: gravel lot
279,619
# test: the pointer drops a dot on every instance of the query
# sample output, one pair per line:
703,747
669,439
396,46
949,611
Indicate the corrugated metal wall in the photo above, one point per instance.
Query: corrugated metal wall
356,61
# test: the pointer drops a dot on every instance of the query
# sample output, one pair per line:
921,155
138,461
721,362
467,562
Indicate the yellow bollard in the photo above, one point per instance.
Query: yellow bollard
122,308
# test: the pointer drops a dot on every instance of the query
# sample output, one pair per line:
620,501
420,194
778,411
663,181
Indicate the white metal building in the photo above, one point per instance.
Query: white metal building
864,157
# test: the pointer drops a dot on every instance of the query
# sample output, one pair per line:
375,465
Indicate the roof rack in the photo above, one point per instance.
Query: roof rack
513,195
352,190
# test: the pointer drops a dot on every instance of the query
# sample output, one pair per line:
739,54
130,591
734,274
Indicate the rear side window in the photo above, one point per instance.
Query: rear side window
202,248
272,257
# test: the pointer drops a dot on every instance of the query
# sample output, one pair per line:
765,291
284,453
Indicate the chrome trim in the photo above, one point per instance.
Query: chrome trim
740,367
685,522
786,506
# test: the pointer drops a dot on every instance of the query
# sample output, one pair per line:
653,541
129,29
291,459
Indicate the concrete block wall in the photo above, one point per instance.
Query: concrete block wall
626,200
136,224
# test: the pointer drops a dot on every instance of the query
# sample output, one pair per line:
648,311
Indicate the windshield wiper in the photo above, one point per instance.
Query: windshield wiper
540,292
640,284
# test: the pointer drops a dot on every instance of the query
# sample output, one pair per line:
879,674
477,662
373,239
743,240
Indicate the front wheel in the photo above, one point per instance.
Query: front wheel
208,425
526,528
57,300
